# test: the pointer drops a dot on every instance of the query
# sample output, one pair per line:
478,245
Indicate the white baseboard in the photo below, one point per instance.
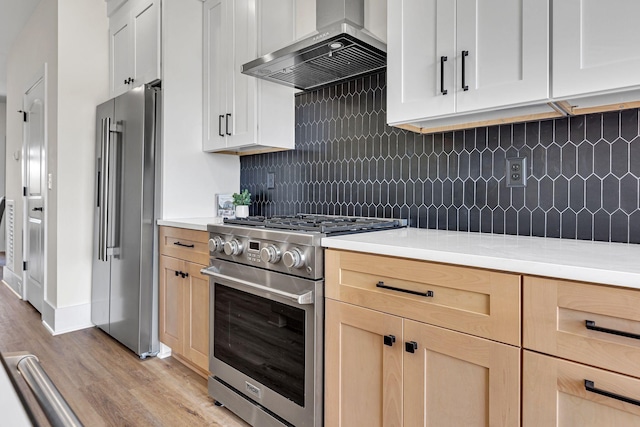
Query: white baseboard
165,351
12,280
66,319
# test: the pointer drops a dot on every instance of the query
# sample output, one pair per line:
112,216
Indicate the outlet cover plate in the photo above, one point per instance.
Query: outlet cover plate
516,172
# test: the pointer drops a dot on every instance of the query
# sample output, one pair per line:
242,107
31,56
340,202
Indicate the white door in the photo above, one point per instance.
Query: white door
34,167
508,53
421,59
595,46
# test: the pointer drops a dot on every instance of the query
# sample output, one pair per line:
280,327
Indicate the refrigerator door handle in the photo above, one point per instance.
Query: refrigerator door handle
104,190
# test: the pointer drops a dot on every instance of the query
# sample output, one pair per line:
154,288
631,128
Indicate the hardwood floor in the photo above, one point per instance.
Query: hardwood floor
104,382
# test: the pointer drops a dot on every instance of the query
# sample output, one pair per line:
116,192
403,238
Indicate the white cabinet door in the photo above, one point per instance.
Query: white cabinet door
420,82
215,95
134,50
508,53
241,112
501,45
145,19
120,56
595,46
241,100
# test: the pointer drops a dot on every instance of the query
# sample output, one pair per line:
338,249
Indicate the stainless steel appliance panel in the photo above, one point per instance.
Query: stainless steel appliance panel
101,280
264,307
126,274
125,220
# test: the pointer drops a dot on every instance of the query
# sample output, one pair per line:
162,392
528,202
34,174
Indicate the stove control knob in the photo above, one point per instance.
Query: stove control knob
216,244
293,258
233,247
270,254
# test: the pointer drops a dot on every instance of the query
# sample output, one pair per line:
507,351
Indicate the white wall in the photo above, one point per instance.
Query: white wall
3,128
83,82
191,178
71,37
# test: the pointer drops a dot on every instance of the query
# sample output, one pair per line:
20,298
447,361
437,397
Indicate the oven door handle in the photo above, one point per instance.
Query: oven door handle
306,298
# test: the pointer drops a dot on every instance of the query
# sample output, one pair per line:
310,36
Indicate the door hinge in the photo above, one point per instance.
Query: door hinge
24,191
24,265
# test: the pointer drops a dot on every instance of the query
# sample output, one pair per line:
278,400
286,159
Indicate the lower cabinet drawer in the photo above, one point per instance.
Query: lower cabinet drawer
560,393
478,302
592,324
186,244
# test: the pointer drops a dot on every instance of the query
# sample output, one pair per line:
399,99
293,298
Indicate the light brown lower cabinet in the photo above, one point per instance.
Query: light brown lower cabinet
589,374
184,311
555,393
383,370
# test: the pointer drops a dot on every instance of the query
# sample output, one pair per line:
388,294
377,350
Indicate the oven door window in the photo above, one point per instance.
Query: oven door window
261,338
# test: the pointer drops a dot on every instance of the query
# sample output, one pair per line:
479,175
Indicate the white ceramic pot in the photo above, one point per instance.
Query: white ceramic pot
242,211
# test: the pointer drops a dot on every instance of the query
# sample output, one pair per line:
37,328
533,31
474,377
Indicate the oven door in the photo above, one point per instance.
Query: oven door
267,338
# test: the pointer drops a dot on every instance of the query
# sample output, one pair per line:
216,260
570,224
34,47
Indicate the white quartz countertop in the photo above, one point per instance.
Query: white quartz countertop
190,223
615,264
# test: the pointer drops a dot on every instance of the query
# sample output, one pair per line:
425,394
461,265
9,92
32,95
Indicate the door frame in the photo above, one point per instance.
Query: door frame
41,75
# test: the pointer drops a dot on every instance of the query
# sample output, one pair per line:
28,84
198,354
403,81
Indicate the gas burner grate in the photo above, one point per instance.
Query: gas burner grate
318,223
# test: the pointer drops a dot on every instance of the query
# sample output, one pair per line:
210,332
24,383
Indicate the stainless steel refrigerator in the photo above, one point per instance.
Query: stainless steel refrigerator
124,300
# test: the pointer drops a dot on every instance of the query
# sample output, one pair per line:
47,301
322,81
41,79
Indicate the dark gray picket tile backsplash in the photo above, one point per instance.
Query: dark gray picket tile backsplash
583,183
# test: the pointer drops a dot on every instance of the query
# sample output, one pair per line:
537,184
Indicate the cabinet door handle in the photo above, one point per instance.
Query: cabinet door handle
177,273
590,324
220,117
183,274
406,291
443,59
226,120
591,387
389,340
125,81
410,346
184,245
465,53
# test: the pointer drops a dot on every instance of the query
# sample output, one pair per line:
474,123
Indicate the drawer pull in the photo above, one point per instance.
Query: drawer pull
389,340
184,245
407,291
590,386
590,324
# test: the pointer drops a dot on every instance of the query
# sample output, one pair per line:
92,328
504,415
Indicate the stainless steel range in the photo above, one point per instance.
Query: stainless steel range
267,314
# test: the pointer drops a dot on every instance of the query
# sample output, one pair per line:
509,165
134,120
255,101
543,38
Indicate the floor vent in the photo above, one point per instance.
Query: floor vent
10,214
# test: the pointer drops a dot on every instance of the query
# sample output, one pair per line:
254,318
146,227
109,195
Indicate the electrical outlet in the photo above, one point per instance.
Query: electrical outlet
516,172
271,180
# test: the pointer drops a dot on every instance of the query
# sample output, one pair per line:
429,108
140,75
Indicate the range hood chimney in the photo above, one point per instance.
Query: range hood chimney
342,49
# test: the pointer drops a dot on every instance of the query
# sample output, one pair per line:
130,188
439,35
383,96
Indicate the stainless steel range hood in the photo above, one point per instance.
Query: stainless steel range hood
342,49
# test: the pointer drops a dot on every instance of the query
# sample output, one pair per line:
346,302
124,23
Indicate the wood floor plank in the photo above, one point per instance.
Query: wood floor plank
104,382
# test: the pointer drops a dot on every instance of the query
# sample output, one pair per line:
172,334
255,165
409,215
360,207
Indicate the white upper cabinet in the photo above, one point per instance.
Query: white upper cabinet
120,53
508,52
447,57
145,17
242,113
595,46
134,45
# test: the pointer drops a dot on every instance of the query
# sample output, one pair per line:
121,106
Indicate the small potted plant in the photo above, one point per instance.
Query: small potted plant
242,201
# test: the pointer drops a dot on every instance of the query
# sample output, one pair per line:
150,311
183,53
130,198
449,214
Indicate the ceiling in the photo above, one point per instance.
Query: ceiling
13,15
